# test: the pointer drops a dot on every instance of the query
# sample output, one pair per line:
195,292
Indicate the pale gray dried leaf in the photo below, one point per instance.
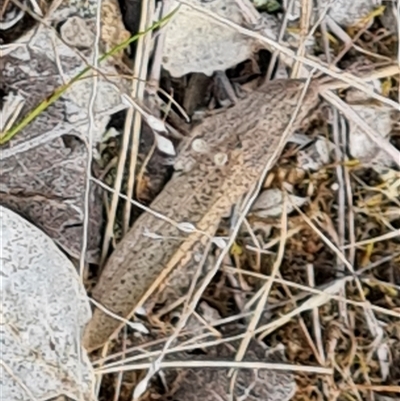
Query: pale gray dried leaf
270,203
344,12
44,310
214,384
315,156
300,139
156,124
44,166
196,43
360,145
350,13
164,145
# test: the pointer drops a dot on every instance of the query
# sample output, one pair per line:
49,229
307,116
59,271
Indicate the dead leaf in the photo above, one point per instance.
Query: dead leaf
44,165
213,384
270,202
44,311
316,155
164,145
196,43
344,12
378,117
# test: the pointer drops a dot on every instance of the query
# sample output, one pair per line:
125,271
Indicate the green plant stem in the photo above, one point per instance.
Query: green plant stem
8,135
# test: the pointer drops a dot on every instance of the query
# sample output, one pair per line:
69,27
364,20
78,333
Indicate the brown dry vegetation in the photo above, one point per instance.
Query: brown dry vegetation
347,232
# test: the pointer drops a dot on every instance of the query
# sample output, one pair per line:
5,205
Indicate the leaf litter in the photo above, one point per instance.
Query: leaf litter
44,311
315,314
43,166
